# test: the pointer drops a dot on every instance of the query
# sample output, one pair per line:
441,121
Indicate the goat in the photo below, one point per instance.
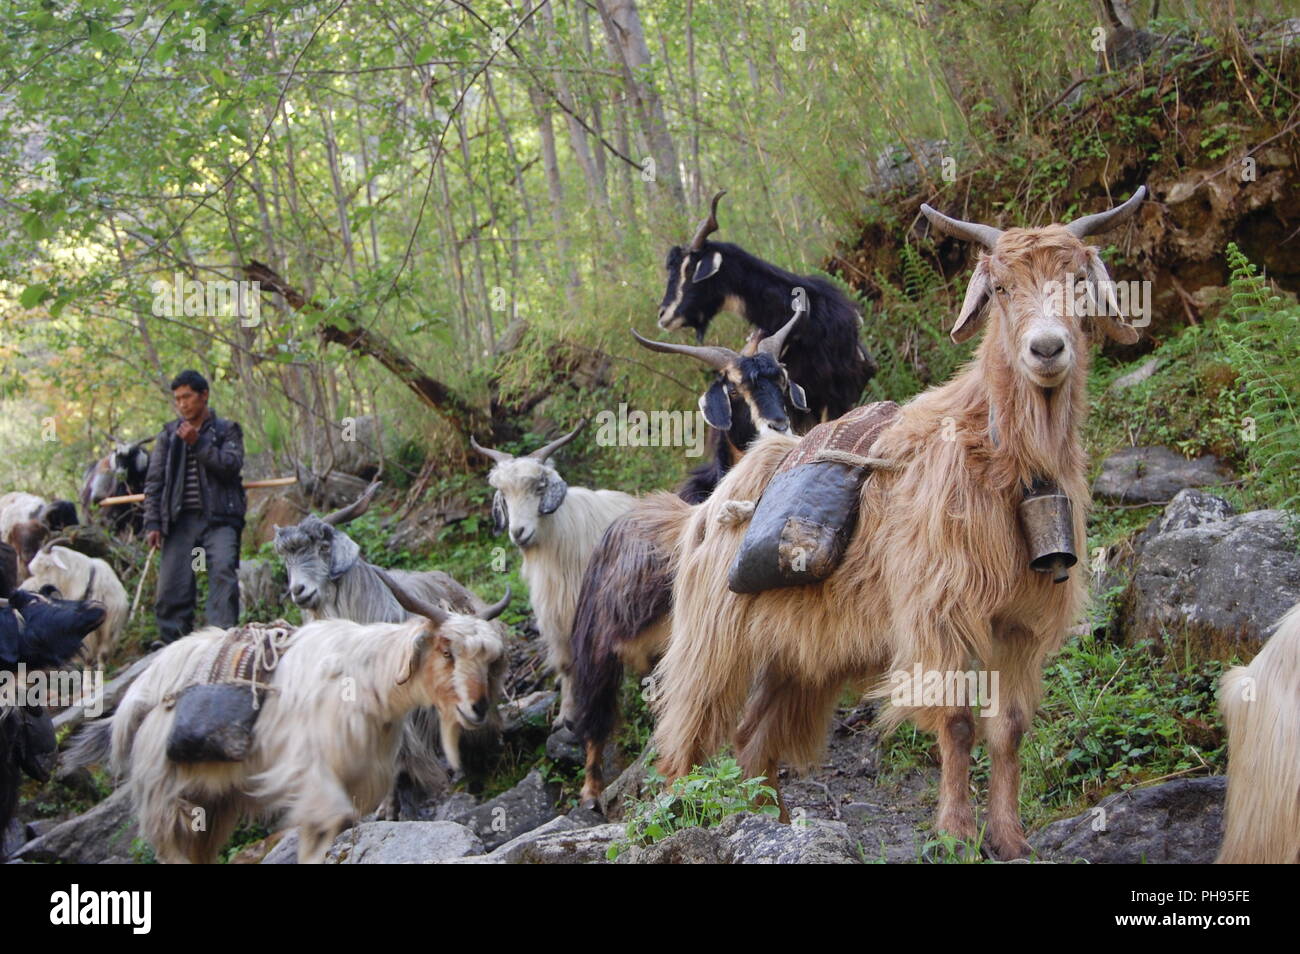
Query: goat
1261,711
326,756
21,526
747,398
824,354
35,632
623,604
556,527
122,471
71,573
329,579
935,576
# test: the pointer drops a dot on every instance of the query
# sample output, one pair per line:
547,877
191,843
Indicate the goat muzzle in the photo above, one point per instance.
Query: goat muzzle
1047,522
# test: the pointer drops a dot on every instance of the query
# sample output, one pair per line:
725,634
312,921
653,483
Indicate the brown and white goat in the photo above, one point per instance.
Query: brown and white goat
80,577
325,743
1261,710
936,578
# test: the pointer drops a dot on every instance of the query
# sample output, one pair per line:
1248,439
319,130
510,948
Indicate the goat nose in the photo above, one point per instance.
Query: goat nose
1047,346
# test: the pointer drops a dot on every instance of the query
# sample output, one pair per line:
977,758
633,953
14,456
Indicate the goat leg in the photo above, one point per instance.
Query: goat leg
955,815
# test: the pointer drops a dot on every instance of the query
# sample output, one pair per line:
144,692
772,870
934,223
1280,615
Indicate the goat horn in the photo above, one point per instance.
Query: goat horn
708,226
57,542
712,355
1101,221
544,452
986,235
413,604
499,456
354,509
774,342
495,610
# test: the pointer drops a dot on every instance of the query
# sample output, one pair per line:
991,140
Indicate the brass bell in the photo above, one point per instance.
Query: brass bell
1047,521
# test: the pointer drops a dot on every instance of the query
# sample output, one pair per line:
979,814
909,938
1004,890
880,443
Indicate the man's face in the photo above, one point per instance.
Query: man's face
190,404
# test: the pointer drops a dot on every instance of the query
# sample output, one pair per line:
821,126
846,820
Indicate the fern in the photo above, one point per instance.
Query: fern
1262,341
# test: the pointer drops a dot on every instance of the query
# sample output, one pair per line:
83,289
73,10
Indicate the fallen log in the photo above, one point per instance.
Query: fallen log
248,485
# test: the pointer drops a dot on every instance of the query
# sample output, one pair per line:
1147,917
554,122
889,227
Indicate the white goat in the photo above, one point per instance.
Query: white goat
80,577
325,743
556,528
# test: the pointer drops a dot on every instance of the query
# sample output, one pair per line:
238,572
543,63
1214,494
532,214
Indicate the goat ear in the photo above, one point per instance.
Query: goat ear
975,309
425,641
344,554
58,560
1106,308
708,267
716,406
554,494
500,515
797,397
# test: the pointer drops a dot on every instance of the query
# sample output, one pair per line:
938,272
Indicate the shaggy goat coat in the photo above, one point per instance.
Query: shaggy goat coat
325,744
1261,710
935,578
81,577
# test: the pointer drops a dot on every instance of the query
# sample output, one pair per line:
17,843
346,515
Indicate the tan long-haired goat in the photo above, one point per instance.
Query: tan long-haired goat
1261,709
325,743
936,575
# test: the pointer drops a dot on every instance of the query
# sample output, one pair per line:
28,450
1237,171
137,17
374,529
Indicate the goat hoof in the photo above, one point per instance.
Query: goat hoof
1010,848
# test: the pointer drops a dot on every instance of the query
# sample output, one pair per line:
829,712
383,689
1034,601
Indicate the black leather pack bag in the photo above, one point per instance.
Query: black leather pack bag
214,723
803,522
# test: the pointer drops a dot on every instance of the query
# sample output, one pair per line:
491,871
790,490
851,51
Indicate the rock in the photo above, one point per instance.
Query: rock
1178,822
631,784
1222,581
350,446
1154,475
897,165
456,804
255,853
563,746
387,843
750,839
103,835
13,838
528,805
258,586
558,842
1136,376
279,510
403,843
1192,508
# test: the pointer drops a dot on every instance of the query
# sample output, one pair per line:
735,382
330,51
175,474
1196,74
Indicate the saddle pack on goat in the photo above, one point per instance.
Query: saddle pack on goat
809,509
215,717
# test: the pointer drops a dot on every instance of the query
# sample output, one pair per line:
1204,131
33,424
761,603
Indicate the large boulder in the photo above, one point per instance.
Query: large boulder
103,835
523,808
1138,475
750,839
1205,573
387,843
1178,822
561,841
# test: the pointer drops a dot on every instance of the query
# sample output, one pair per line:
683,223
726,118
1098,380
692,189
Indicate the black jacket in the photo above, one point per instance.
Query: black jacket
220,453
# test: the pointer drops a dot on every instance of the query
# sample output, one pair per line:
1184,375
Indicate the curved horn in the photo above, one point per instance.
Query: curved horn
56,542
1101,221
715,357
544,452
499,456
354,509
773,343
495,610
708,226
412,604
986,235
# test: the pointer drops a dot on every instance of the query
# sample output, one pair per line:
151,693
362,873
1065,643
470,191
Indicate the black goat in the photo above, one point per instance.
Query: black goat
747,399
824,355
36,632
121,472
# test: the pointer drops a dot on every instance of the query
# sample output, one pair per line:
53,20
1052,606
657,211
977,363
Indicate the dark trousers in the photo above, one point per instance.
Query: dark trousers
176,584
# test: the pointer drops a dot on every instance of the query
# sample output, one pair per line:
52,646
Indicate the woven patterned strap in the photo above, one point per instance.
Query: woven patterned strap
248,653
848,438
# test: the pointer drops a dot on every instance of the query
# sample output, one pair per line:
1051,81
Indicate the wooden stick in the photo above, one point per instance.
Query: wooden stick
135,603
248,485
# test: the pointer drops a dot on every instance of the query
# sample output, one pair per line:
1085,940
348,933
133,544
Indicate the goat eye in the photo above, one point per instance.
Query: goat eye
446,654
1000,289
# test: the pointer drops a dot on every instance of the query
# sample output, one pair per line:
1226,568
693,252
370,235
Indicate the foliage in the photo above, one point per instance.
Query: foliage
699,799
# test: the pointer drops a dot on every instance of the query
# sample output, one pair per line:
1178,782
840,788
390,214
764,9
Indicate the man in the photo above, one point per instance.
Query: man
194,497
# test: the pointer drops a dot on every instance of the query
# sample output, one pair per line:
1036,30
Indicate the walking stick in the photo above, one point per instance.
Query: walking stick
148,562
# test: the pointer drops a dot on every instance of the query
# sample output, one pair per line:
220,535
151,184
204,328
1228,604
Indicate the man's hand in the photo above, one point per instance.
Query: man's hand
154,539
187,432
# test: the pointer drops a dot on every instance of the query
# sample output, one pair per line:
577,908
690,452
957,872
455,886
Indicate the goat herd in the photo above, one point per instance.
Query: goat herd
930,573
